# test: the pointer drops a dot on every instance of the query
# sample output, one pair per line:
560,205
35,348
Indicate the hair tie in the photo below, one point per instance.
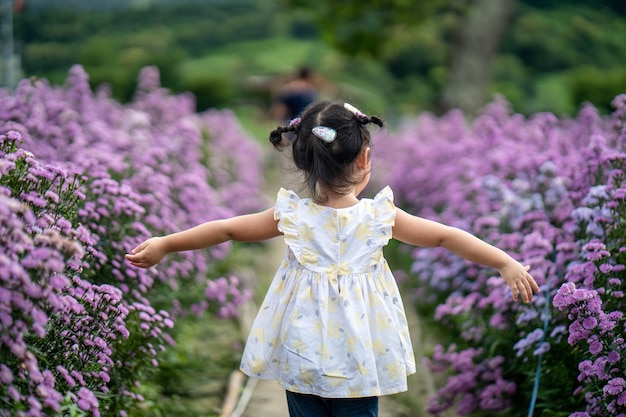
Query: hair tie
327,134
295,122
357,113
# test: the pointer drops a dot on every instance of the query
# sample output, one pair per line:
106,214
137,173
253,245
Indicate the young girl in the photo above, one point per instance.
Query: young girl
332,328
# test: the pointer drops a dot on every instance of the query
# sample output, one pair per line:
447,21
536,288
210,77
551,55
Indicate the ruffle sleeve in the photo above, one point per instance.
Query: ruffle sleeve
285,211
384,215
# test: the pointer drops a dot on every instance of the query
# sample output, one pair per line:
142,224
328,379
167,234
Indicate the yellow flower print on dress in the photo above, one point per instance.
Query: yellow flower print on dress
356,391
298,345
330,226
379,347
395,370
307,377
307,233
361,232
324,352
309,258
345,268
275,323
334,330
330,306
335,381
314,208
258,335
382,323
286,368
257,366
363,369
344,219
278,288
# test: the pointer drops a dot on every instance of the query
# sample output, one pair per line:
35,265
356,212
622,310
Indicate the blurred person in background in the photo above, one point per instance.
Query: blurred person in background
291,99
293,96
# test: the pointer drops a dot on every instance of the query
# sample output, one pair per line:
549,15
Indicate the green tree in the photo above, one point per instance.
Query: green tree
372,27
469,36
481,27
365,27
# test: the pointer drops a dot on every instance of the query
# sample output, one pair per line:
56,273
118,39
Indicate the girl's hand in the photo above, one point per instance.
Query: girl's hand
147,254
520,281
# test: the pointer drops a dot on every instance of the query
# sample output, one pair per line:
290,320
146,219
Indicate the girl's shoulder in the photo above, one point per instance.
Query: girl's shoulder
384,206
385,194
286,201
382,200
287,194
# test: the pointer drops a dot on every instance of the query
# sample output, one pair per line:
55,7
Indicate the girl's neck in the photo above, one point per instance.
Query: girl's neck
334,200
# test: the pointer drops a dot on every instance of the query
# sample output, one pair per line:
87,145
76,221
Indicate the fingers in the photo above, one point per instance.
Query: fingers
523,289
517,290
131,258
139,261
140,264
140,247
134,260
524,286
533,283
147,254
137,257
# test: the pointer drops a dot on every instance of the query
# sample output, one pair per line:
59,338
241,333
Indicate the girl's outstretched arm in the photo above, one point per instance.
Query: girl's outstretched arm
421,232
246,228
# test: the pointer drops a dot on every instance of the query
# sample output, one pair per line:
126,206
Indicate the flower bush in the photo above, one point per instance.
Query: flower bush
83,179
550,191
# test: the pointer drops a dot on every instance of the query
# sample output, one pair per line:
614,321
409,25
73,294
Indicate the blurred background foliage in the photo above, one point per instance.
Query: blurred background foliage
398,57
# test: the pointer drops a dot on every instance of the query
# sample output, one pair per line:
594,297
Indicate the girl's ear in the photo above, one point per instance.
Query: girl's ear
363,160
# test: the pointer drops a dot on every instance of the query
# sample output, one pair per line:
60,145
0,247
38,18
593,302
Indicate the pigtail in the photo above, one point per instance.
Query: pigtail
361,117
276,135
377,121
371,119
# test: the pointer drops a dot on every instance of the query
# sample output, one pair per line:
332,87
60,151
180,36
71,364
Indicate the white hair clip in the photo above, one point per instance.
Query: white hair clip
357,113
327,134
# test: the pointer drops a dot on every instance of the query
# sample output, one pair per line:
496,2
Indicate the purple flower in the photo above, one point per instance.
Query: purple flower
568,295
6,376
589,323
615,386
14,394
613,357
543,348
595,347
528,341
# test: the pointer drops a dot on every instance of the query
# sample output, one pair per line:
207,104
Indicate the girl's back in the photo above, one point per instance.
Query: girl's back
336,241
332,323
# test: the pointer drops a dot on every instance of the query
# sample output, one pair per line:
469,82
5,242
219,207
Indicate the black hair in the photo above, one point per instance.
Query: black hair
330,164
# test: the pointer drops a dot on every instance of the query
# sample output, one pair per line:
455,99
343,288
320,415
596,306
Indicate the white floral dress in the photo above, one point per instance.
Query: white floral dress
332,323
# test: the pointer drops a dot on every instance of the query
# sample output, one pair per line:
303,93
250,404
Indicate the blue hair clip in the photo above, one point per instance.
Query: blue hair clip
326,134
